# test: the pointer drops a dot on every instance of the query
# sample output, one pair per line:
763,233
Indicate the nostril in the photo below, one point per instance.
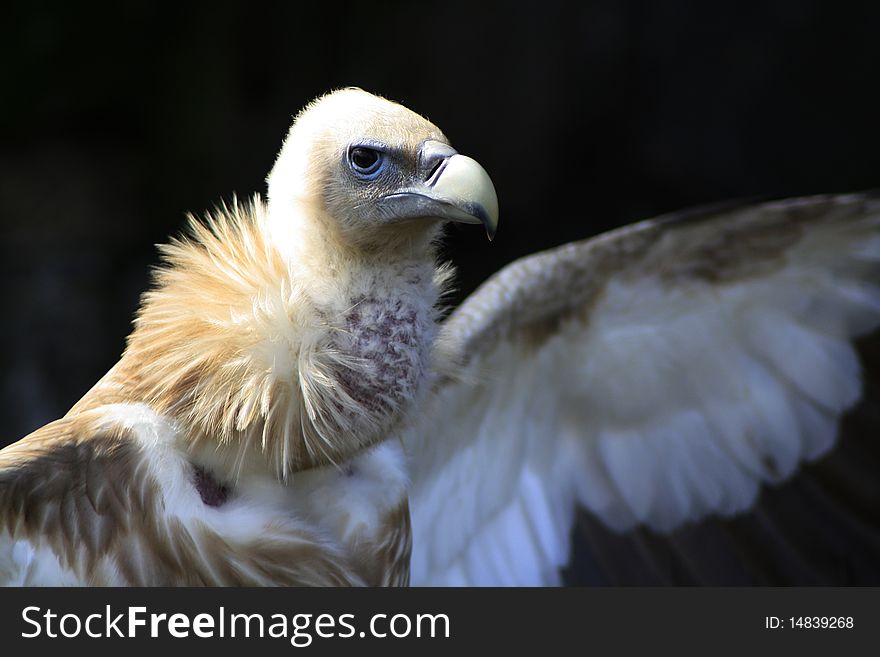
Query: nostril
433,156
435,170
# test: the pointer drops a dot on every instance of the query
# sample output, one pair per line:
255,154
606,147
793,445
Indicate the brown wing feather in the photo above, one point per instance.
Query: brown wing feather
74,486
81,488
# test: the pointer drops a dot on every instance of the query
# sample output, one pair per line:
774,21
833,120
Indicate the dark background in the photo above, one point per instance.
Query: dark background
116,120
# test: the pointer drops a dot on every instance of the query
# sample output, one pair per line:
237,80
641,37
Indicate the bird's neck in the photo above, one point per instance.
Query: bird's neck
270,363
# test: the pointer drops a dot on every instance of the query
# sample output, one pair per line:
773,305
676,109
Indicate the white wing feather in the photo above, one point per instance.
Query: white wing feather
653,375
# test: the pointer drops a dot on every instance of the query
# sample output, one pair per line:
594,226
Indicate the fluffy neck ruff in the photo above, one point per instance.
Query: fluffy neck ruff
260,356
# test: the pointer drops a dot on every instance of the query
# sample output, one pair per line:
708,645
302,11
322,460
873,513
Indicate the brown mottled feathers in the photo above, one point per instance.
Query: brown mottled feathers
81,488
75,486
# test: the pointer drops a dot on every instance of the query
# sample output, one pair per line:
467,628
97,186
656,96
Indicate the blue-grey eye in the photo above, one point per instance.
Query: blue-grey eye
365,161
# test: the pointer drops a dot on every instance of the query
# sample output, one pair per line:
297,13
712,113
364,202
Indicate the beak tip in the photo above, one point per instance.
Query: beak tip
488,217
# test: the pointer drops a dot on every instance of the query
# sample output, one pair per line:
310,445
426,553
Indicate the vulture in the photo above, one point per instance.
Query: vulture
293,408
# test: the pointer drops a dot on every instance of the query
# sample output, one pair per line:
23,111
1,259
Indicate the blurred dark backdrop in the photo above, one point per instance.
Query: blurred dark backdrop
118,119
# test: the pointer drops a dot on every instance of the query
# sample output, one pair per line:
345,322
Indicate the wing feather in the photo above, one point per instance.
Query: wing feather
103,497
654,375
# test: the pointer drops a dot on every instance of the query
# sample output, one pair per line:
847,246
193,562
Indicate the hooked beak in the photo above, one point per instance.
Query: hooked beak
452,187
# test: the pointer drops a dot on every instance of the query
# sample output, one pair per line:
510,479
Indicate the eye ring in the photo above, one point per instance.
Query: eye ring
365,161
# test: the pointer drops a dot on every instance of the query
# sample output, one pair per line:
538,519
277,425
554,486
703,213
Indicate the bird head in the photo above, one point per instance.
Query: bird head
371,171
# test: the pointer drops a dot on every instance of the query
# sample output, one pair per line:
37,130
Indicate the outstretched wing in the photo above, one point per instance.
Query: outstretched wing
654,376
